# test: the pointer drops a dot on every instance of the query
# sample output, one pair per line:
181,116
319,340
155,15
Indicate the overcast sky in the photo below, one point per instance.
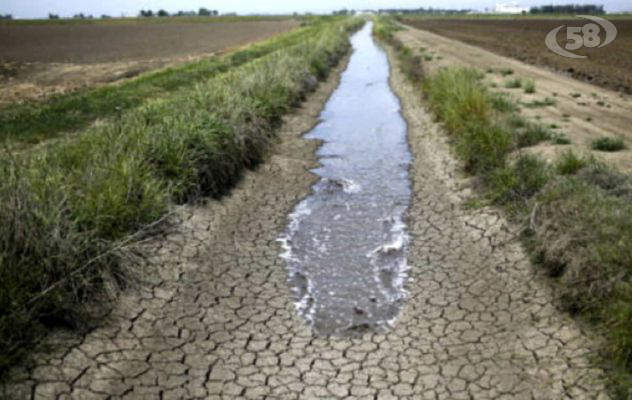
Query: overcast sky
41,8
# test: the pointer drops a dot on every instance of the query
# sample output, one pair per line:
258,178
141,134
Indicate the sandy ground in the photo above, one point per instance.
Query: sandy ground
214,318
39,60
582,119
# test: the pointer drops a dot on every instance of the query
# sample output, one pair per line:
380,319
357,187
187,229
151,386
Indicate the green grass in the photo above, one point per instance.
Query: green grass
514,83
33,122
69,207
608,144
533,134
529,86
577,213
569,163
560,138
540,103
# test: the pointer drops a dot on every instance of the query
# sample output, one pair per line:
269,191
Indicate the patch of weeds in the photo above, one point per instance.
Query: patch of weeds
474,203
428,57
515,83
515,121
554,94
560,138
489,70
608,144
518,182
588,232
506,71
588,119
554,126
601,103
569,163
462,103
411,65
575,95
501,102
529,86
532,134
540,103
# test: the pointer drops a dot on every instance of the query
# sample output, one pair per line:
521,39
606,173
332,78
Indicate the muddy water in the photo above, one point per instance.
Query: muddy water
346,244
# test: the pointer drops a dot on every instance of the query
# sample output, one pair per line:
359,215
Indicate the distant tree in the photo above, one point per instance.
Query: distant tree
163,13
204,12
344,11
6,16
53,16
185,14
147,13
105,16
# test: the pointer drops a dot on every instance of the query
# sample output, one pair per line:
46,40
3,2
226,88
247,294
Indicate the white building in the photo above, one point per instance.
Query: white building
509,8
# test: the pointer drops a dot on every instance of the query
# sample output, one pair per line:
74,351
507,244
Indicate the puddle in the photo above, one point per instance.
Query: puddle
346,244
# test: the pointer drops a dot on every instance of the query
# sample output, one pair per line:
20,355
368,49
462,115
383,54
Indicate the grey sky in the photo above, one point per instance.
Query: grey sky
41,8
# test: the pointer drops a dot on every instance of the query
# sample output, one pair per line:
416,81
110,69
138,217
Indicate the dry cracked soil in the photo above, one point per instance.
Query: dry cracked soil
214,318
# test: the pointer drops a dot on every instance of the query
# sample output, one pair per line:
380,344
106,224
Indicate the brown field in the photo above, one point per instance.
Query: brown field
523,39
39,59
581,111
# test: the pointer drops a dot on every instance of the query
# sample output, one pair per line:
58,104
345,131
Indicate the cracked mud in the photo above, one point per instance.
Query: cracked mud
215,317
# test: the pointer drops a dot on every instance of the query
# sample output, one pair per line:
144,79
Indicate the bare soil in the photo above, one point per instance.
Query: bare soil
581,111
40,59
523,39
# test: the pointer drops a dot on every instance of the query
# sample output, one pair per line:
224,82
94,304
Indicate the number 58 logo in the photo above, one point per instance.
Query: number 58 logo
587,35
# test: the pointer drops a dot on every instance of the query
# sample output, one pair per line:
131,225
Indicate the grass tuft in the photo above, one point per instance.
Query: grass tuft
609,144
540,103
529,86
514,185
569,163
514,83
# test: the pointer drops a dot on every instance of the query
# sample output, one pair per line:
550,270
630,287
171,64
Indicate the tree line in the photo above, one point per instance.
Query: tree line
422,10
202,12
568,9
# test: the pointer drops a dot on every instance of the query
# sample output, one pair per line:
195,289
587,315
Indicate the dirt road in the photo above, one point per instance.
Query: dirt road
216,319
583,112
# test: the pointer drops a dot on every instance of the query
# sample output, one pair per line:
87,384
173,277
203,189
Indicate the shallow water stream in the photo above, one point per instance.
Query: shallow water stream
346,243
